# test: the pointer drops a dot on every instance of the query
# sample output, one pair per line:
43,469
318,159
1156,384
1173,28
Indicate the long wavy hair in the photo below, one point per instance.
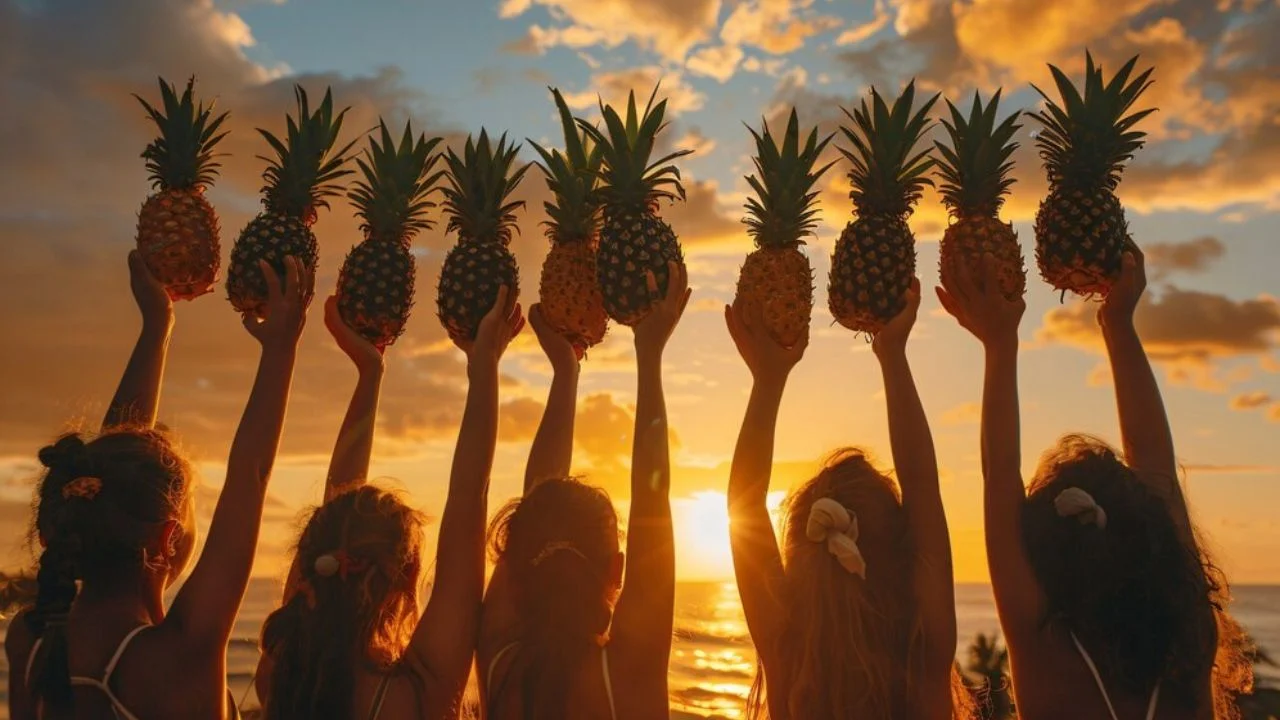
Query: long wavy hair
850,646
559,543
1154,604
363,613
99,505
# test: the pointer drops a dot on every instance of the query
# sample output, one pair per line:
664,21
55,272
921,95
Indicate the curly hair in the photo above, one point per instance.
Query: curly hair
1159,600
847,649
98,506
558,543
364,613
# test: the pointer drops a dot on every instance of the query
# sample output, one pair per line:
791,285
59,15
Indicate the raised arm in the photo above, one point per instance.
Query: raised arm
982,309
138,394
206,606
445,639
552,451
916,465
757,563
349,466
643,617
1144,426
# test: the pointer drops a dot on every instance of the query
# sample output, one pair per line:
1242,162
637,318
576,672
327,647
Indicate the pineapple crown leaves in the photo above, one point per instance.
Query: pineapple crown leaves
783,209
572,177
479,183
630,179
975,167
182,156
1087,139
391,197
304,172
887,179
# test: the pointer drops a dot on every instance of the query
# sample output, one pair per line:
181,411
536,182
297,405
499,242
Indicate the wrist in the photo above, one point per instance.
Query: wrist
370,370
157,324
1116,324
1002,343
481,366
769,385
566,369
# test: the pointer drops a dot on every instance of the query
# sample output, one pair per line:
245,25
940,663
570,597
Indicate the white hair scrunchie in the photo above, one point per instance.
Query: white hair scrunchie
1079,504
832,522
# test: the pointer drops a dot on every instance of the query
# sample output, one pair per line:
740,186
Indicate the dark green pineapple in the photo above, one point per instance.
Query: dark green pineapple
1081,232
299,179
633,239
376,283
875,257
476,202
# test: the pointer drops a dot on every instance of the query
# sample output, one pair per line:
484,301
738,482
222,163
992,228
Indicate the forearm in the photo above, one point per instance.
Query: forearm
257,439
910,439
552,451
1144,425
752,465
651,462
1001,433
137,397
354,448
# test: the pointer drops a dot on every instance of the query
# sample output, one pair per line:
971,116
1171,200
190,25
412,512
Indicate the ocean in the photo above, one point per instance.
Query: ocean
712,661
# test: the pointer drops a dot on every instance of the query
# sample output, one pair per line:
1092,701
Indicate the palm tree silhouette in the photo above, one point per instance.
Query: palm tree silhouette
988,670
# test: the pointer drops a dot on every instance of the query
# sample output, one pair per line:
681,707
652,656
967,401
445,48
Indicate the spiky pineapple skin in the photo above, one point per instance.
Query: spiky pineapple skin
178,238
632,243
871,271
469,281
375,290
271,237
569,296
780,282
1081,238
965,243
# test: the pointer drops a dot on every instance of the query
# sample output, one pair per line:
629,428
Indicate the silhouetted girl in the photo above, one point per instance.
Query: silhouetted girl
554,644
855,617
115,519
1110,606
349,640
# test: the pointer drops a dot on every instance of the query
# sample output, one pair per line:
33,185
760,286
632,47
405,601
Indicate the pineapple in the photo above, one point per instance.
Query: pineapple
1081,232
177,227
776,277
298,181
476,202
633,239
569,296
975,173
875,257
375,285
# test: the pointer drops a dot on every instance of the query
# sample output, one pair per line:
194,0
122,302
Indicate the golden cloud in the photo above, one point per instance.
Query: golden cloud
668,27
1250,400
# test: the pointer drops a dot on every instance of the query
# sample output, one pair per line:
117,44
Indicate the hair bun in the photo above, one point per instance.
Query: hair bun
66,452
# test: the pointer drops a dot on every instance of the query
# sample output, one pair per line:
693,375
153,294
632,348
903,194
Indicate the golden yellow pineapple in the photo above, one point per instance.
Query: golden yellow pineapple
569,297
875,258
776,277
299,180
975,178
376,283
480,181
633,239
1081,232
177,227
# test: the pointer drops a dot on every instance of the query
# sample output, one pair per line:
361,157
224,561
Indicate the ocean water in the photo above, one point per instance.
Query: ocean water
712,660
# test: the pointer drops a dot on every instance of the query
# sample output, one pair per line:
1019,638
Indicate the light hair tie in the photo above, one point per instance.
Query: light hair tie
340,563
1079,504
86,487
834,523
327,565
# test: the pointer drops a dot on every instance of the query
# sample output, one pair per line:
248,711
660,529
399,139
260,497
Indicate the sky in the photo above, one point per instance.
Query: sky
1203,200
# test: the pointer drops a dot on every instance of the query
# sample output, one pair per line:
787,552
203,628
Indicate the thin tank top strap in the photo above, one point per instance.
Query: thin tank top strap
378,697
493,664
1097,678
115,659
31,660
1151,708
608,682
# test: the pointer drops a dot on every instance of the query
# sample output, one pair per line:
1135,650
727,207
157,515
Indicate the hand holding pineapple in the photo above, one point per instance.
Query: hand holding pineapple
666,308
768,360
1120,304
561,353
891,340
280,324
151,295
366,356
500,324
981,305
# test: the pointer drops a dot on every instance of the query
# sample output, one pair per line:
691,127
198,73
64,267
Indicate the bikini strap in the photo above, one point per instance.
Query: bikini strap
608,683
378,697
115,659
1155,697
31,660
1097,678
493,665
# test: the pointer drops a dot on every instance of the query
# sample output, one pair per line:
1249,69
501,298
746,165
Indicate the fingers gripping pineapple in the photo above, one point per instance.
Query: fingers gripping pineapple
875,257
299,179
777,277
633,239
376,283
480,181
177,227
1081,233
975,179
569,295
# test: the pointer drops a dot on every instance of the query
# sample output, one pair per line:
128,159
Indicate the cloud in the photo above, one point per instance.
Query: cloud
1274,413
614,87
965,414
859,33
668,27
1250,400
719,62
1190,256
775,26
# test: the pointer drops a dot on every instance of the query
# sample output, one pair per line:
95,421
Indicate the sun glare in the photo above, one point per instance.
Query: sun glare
702,534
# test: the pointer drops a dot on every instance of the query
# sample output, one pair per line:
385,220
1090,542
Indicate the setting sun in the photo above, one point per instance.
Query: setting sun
702,534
